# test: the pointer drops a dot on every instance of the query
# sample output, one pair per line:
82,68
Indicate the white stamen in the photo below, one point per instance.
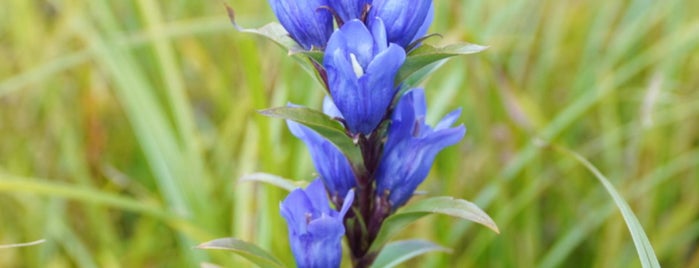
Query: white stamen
358,70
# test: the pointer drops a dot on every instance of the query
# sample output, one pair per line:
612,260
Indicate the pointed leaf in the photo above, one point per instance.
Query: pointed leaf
280,182
272,31
330,129
398,252
426,55
440,205
277,34
247,250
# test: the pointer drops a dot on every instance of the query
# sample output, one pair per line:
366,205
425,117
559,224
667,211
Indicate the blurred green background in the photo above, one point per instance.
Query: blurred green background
126,125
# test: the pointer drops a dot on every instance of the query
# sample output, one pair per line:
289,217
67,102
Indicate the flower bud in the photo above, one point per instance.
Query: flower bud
411,147
334,168
361,68
315,229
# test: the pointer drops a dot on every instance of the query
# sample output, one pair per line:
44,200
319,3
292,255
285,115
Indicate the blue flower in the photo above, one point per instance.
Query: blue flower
361,68
315,229
306,21
331,164
349,9
405,20
411,147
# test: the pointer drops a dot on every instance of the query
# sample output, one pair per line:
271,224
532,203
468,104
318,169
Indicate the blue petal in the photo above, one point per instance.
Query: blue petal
330,109
378,31
448,120
349,198
306,21
295,209
319,198
334,168
358,41
425,25
402,24
326,249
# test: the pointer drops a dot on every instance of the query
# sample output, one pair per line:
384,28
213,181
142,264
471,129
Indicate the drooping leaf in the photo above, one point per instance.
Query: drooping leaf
325,126
425,55
646,254
272,31
400,251
280,182
247,250
276,33
446,205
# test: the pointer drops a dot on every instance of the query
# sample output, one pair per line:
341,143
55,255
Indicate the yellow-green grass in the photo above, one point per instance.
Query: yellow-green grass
125,126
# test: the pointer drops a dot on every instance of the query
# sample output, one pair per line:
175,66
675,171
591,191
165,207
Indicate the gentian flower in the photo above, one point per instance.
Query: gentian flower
315,229
361,68
405,20
411,147
306,21
349,9
334,168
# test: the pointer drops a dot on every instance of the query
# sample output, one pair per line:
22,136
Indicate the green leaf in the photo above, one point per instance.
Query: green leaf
398,252
426,55
331,129
272,31
277,34
284,183
247,250
646,254
445,205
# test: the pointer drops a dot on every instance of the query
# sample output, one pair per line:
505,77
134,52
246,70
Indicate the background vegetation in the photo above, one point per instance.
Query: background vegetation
126,125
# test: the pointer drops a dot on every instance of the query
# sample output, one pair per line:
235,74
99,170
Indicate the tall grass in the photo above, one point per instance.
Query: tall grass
125,126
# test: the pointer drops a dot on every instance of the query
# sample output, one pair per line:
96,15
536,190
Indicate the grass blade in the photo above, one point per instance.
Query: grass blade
645,251
249,251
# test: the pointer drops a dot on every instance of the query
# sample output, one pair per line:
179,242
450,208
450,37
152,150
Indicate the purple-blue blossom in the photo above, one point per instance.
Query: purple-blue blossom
361,68
405,20
315,229
334,168
309,22
411,147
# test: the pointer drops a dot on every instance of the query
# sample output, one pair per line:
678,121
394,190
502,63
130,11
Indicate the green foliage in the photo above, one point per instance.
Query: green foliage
427,54
125,127
640,239
323,125
248,250
444,205
400,251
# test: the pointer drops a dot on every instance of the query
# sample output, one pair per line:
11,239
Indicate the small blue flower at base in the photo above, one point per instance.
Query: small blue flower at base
334,168
361,68
406,20
315,229
307,21
349,9
411,147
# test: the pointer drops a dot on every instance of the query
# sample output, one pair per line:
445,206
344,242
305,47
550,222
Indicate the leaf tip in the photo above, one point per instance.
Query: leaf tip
231,16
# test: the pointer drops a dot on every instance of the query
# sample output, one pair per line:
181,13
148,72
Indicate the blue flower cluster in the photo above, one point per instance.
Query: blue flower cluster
361,60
